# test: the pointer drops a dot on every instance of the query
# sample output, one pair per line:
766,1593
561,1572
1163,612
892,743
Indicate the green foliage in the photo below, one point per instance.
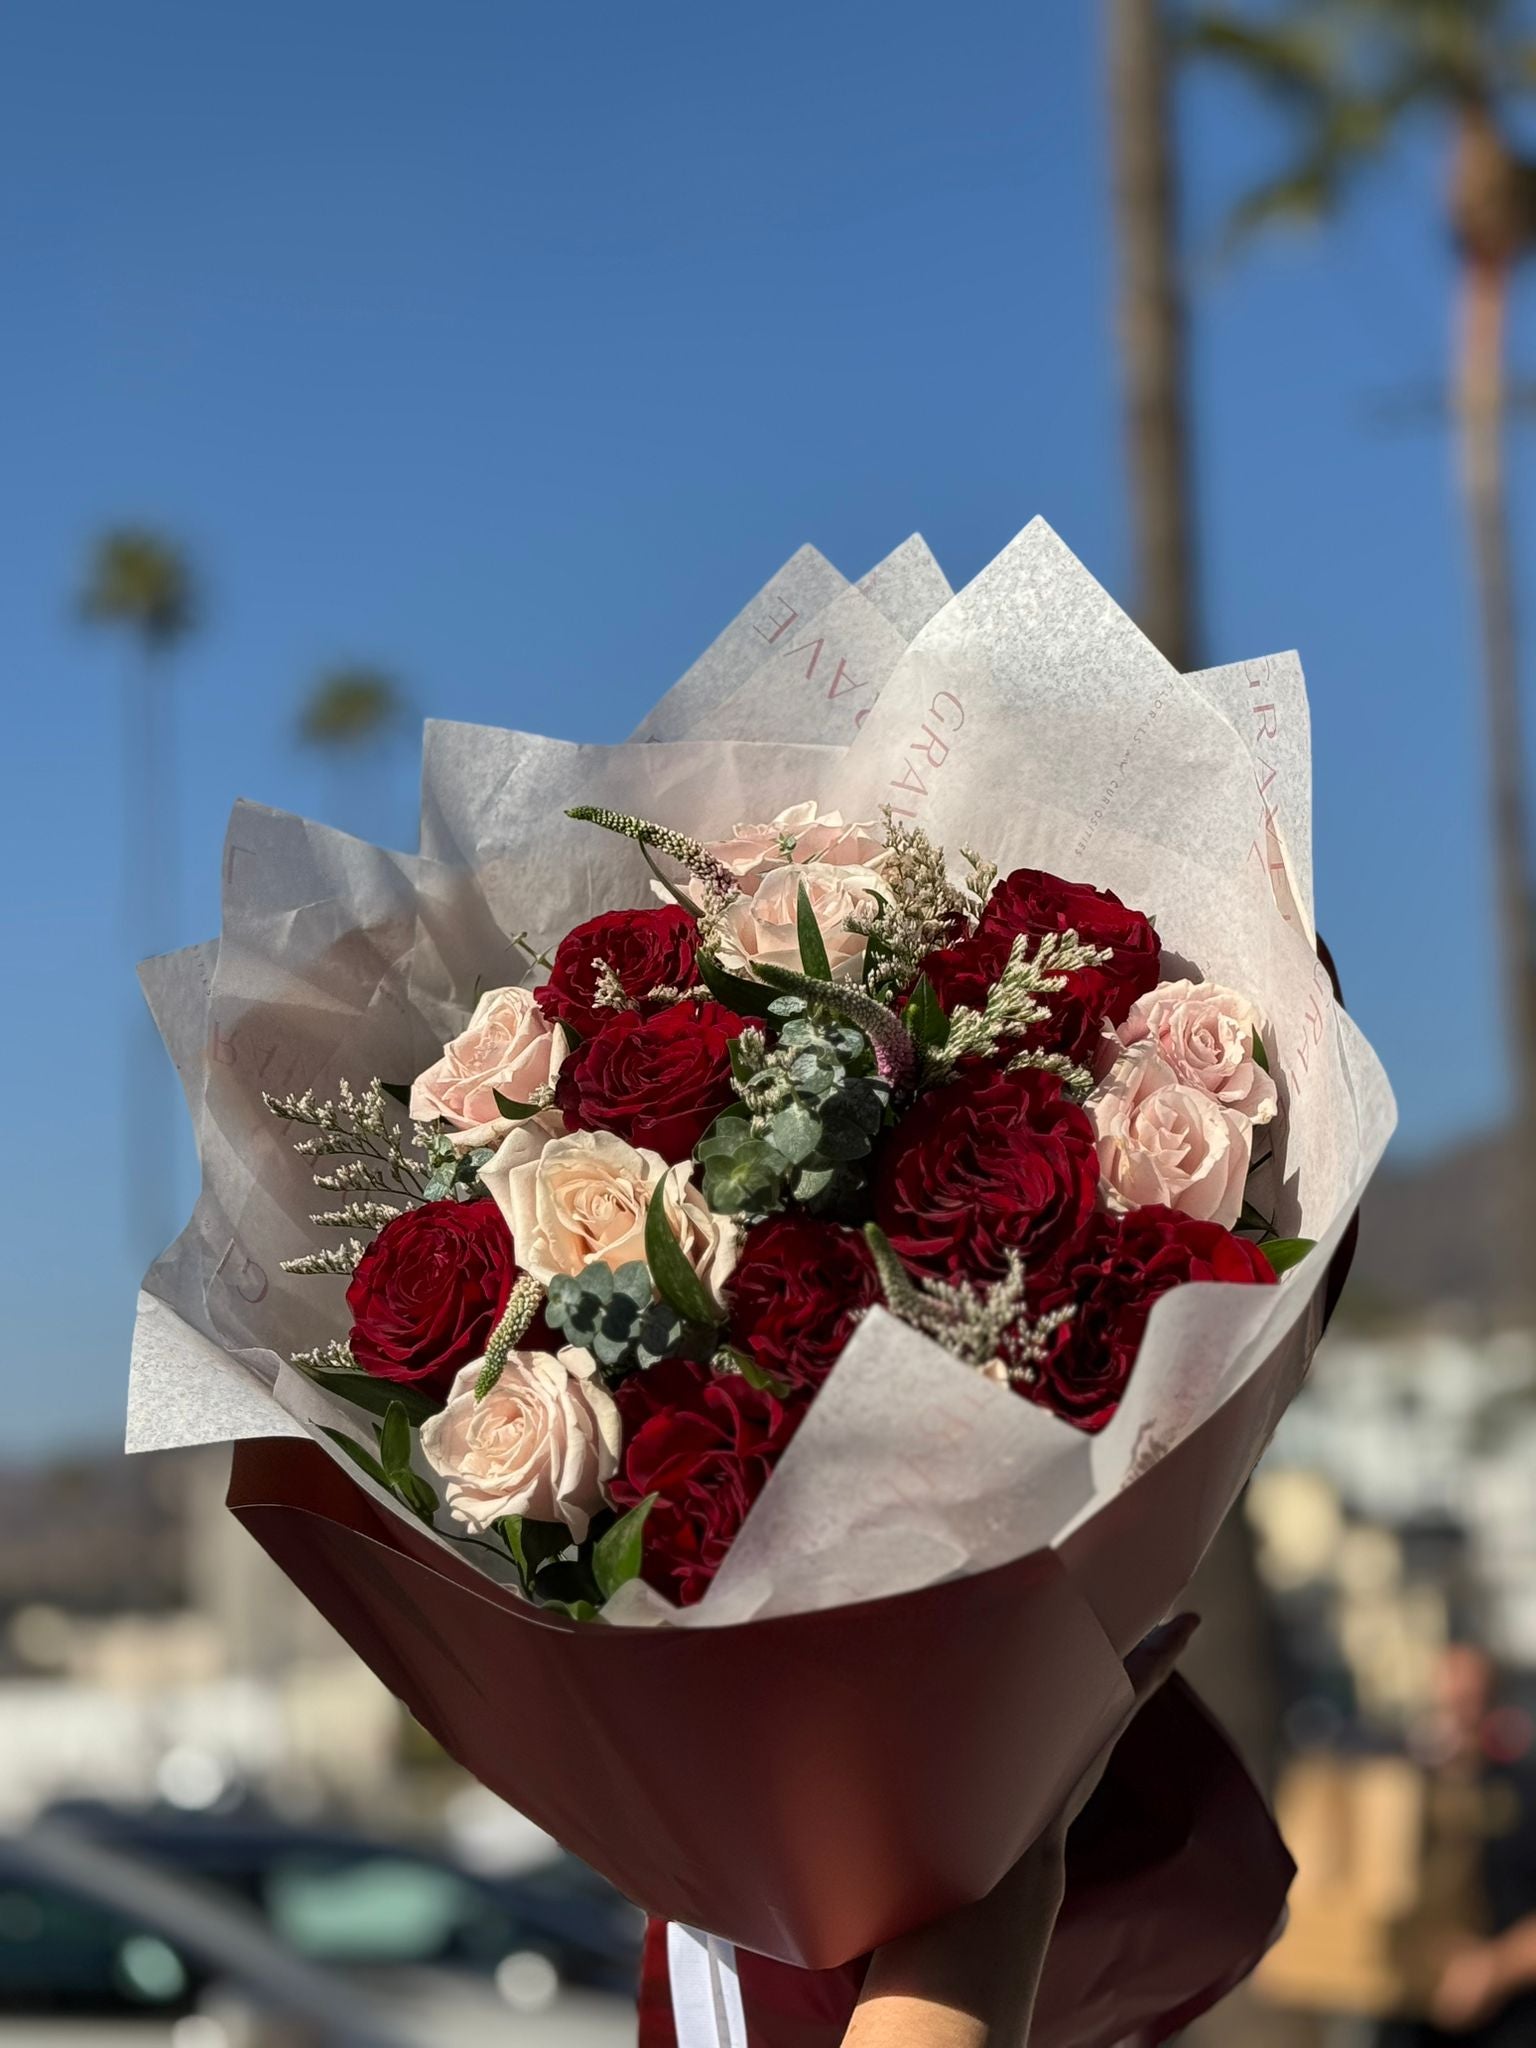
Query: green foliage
516,1112
813,948
746,998
375,1395
1285,1252
924,1018
532,1545
676,1281
743,1175
139,579
815,1106
615,1315
616,1556
451,1175
391,1469
1347,72
350,708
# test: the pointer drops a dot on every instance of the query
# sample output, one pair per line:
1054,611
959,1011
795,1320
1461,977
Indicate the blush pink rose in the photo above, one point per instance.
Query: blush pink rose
509,1047
1162,1141
544,1442
800,835
765,926
1206,1034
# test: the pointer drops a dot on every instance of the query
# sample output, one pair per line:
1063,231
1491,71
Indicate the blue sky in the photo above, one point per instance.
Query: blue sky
405,318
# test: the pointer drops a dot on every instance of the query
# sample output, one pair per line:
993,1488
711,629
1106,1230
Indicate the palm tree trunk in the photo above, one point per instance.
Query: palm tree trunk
1481,405
1152,327
149,829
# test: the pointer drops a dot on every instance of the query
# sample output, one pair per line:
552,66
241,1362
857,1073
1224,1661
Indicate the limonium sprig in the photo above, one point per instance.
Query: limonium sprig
1014,1005
917,906
984,1326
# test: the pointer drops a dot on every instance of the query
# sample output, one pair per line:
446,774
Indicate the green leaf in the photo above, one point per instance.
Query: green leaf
676,1281
395,1440
413,1492
578,1610
397,1091
754,1374
517,1111
533,1544
568,1584
376,1396
746,998
923,1016
813,950
1260,1054
616,1556
794,1132
1285,1252
365,1459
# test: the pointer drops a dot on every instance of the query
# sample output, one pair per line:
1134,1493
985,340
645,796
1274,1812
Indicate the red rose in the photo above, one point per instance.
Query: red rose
646,949
1031,901
796,1293
428,1292
704,1443
659,1081
992,1163
1113,1273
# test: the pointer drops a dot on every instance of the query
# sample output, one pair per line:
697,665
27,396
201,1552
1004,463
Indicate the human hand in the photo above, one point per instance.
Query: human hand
1472,1988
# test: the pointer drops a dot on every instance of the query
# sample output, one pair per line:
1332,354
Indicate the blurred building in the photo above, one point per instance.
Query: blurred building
149,1650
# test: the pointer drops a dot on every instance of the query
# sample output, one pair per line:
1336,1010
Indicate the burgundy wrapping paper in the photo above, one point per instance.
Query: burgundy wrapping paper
1176,1878
806,1786
810,1786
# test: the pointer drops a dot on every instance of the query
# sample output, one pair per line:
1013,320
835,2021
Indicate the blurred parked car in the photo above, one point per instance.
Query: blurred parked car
98,1945
353,1902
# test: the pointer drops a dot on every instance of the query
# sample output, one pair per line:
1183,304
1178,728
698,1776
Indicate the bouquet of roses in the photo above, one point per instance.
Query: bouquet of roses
647,1202
803,1284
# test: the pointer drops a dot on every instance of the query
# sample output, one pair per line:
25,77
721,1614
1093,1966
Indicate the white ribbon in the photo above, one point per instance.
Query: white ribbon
706,1996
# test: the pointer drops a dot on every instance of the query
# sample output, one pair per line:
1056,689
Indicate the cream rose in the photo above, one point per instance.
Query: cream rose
764,927
583,1200
1160,1140
509,1047
800,835
543,1442
1206,1034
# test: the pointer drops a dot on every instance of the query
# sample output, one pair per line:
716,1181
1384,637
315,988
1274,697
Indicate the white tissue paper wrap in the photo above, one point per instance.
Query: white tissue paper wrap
1025,716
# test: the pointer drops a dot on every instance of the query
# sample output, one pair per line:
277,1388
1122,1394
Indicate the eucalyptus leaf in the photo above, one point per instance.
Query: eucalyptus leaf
1260,1053
676,1281
794,1132
616,1556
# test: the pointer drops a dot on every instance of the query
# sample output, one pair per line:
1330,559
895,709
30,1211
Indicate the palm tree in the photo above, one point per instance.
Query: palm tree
1152,326
349,718
1350,73
139,582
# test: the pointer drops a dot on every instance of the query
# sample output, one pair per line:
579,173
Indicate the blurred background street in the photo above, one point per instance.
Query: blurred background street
373,362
